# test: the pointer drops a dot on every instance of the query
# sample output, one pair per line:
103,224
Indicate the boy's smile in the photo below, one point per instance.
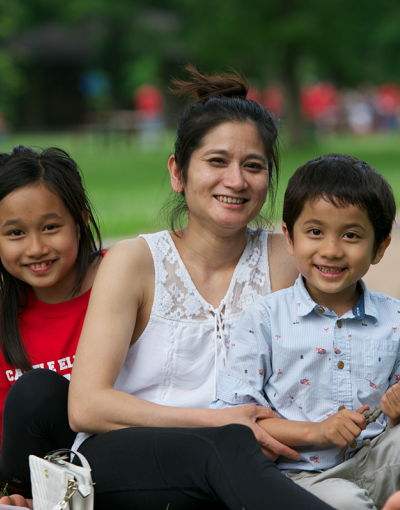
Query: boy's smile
333,248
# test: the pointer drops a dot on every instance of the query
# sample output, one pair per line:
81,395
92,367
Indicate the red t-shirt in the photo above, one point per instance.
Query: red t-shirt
50,333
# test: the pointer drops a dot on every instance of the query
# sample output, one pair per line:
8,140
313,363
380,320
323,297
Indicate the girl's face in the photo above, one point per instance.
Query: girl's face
227,179
39,241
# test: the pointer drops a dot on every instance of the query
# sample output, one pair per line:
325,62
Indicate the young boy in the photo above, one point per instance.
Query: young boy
328,344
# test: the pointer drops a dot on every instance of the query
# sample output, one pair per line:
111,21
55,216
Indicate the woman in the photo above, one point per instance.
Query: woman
157,330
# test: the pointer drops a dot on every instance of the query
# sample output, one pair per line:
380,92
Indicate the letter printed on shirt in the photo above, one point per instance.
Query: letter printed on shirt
51,366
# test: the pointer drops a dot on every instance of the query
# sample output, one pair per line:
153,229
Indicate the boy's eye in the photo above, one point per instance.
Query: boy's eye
351,235
50,227
315,232
16,233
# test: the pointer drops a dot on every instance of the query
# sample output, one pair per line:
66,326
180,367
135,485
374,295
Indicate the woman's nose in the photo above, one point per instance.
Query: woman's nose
234,177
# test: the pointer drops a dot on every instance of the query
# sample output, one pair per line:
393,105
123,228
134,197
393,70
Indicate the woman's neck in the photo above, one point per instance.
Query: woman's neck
210,258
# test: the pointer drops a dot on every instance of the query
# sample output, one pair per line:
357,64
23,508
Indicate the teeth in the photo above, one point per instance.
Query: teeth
36,266
333,270
230,200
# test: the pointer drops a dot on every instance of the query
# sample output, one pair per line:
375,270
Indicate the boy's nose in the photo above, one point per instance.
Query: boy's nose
331,249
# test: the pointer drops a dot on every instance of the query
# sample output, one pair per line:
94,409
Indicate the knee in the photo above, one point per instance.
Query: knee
37,388
343,495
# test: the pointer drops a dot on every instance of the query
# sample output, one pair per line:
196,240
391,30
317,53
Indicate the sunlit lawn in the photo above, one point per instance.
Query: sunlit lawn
129,185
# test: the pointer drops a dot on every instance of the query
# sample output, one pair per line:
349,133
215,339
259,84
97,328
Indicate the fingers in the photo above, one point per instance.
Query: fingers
273,448
264,412
390,403
362,409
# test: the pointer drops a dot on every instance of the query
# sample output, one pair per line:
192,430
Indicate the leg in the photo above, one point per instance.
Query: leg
342,494
35,422
216,468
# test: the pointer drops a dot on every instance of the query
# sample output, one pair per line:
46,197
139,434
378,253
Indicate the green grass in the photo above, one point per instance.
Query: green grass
128,185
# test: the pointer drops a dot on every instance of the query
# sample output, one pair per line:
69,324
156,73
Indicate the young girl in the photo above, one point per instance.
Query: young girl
49,258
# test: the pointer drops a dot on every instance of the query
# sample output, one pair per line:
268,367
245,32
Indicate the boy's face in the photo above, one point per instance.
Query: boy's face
333,248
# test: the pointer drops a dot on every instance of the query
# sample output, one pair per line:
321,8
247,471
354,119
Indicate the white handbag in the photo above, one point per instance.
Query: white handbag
59,485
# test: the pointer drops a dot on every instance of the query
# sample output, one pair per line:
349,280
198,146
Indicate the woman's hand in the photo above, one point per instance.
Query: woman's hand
248,415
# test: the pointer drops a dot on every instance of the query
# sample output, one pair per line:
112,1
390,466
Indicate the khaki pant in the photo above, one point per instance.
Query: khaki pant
363,482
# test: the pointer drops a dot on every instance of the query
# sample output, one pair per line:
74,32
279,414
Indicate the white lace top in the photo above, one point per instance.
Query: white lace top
175,361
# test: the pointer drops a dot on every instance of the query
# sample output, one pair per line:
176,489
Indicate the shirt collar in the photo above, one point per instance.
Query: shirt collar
305,303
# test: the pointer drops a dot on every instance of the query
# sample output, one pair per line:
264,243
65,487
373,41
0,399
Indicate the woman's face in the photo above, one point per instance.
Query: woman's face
228,177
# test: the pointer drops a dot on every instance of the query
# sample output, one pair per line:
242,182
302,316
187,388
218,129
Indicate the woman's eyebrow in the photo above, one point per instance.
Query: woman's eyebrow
223,152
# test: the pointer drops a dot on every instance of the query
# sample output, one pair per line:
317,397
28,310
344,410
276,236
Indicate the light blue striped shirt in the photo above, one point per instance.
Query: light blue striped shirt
291,354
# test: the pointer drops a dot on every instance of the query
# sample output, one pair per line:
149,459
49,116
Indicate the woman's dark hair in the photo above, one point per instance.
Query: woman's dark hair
219,99
342,180
60,174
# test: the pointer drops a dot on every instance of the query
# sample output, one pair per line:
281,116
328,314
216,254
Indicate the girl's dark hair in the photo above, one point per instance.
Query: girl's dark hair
342,180
218,99
60,174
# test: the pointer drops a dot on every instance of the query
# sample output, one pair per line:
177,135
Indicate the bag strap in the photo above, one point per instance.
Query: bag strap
57,453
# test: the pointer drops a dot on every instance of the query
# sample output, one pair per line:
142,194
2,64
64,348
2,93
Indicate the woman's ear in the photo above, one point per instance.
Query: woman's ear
176,182
289,242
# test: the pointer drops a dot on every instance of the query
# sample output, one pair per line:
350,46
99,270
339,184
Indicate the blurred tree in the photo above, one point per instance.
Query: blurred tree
138,41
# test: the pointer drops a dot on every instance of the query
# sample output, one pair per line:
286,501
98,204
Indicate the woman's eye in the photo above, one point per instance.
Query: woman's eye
217,160
255,166
350,235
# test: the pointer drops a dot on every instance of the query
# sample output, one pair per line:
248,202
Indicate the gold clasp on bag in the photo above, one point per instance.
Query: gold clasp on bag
71,489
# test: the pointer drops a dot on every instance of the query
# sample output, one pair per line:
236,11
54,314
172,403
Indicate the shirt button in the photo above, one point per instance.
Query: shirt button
353,444
340,365
320,309
341,408
339,324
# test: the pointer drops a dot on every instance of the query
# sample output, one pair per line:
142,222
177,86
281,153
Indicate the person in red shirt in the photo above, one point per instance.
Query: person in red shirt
49,257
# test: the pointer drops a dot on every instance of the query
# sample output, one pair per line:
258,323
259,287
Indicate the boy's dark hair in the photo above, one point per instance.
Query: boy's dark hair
219,98
342,180
60,174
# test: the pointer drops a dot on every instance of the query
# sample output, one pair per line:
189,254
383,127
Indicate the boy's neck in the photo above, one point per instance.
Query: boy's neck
340,302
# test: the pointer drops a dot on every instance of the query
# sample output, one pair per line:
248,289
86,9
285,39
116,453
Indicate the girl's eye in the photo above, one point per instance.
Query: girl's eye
350,235
50,227
315,232
16,233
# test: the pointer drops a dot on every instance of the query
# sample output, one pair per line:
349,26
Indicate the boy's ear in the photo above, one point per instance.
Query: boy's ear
176,182
289,242
381,250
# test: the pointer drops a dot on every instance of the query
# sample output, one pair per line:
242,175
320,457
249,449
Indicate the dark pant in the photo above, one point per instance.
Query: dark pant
146,468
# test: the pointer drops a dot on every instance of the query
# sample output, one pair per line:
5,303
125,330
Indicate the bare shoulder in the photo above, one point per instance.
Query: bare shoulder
127,269
281,264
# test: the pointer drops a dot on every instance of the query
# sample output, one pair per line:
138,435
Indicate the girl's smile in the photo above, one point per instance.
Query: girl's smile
39,241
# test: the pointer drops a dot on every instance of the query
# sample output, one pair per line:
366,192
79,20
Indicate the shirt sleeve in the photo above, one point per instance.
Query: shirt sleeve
248,366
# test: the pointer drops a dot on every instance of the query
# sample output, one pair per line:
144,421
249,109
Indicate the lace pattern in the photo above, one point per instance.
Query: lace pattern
176,297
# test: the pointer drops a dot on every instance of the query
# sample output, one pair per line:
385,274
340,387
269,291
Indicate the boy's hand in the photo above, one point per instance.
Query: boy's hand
340,429
390,403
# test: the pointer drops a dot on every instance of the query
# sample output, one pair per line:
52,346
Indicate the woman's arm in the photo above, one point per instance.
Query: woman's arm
283,272
122,292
